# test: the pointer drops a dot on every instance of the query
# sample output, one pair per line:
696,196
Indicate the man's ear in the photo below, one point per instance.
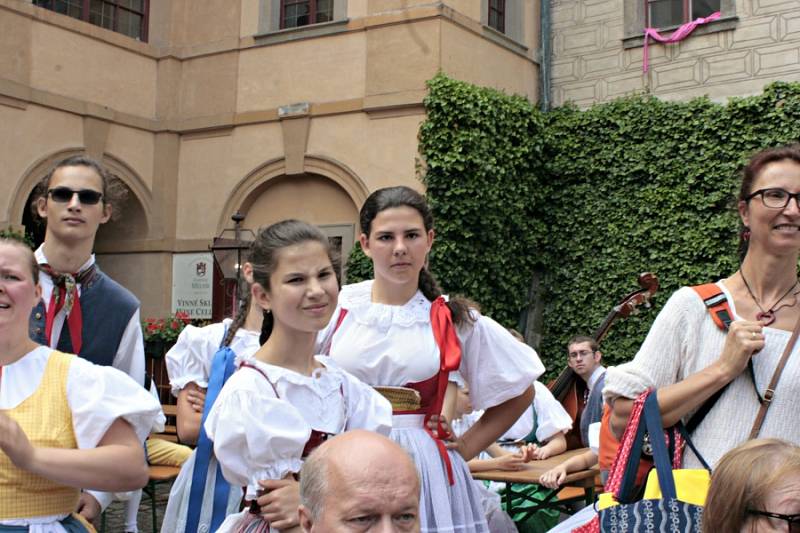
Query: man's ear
305,519
41,207
107,210
598,356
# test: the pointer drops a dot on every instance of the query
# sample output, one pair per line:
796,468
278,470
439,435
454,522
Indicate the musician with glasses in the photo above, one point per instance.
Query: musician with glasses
584,358
83,311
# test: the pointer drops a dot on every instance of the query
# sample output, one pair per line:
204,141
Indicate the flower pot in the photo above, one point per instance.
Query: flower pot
155,348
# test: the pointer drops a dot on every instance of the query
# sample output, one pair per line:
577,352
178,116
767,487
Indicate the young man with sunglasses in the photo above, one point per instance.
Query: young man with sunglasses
83,311
584,357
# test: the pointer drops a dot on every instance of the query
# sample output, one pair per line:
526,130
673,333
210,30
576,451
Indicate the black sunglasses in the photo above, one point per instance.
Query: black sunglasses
792,519
63,195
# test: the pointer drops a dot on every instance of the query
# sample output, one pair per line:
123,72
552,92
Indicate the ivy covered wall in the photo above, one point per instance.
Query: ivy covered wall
588,198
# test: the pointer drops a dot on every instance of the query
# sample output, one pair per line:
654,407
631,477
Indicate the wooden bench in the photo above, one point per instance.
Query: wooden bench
158,475
170,432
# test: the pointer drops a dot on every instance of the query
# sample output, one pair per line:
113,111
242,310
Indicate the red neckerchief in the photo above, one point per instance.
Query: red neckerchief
65,295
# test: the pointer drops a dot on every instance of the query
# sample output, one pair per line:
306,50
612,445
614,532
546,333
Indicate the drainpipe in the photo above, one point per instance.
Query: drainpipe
544,55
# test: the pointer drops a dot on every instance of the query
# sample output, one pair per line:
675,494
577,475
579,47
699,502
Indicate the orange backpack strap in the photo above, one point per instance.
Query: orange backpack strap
716,303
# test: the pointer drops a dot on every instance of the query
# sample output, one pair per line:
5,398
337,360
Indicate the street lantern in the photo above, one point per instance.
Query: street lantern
229,249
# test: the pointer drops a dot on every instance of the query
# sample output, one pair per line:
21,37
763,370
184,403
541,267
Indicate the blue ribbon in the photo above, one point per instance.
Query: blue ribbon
221,369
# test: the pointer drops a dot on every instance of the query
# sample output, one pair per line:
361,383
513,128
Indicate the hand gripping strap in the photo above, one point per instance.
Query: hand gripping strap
221,369
449,359
717,304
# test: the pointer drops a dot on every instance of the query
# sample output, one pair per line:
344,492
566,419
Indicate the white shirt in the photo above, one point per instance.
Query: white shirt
189,361
684,340
551,418
260,436
97,396
599,371
392,345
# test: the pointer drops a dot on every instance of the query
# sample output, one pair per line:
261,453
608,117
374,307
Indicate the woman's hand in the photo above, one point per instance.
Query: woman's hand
191,400
15,444
743,340
196,396
440,427
280,502
552,479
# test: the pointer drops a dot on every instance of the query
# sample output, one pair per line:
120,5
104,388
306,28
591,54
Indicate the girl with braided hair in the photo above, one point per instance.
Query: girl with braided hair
285,400
398,331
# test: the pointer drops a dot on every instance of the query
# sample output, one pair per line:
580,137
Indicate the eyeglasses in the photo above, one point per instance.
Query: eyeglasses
792,519
63,195
583,354
775,198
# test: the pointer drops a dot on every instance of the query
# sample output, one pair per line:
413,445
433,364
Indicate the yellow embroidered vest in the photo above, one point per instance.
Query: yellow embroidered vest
46,419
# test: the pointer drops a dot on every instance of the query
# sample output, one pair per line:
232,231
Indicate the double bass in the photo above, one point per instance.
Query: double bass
568,388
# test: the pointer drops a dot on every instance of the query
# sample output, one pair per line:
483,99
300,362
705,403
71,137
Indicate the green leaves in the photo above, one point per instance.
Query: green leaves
590,197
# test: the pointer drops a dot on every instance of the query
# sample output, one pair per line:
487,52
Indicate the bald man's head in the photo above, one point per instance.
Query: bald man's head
359,481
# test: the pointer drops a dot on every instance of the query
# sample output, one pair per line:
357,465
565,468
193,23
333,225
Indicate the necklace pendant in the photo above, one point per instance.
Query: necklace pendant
766,317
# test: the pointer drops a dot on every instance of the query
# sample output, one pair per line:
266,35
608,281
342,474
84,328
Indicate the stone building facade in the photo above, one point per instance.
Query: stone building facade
214,107
597,51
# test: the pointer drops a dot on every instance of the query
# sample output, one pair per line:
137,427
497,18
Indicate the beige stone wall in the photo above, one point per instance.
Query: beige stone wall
78,67
303,71
149,276
193,121
590,64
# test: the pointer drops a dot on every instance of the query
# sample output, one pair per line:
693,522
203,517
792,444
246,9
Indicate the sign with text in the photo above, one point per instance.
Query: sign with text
192,277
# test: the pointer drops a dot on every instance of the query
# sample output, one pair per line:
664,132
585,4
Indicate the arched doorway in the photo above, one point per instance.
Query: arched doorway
328,198
132,216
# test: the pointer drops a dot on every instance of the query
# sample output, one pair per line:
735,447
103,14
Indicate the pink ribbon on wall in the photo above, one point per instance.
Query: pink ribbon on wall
678,35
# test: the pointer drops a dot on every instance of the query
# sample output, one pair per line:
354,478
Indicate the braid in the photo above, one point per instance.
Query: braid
241,316
459,307
428,285
266,327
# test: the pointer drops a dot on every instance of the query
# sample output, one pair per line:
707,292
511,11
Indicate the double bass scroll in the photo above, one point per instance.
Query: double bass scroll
568,388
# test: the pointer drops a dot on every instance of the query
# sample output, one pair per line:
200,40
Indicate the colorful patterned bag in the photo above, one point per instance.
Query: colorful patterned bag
664,507
692,485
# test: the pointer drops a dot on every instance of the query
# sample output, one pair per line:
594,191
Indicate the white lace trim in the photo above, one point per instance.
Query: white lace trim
322,381
357,299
